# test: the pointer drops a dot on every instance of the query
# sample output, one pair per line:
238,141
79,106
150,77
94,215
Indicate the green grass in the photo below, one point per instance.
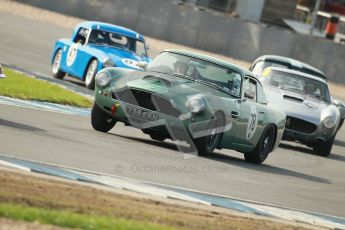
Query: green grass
17,85
72,220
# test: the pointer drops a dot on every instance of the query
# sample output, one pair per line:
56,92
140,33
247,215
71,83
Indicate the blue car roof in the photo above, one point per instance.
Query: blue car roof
110,28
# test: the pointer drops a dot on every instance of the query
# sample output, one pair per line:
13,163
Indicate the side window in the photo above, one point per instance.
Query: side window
249,88
81,36
261,96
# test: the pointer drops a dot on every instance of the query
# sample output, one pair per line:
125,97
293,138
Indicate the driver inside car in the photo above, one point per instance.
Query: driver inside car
180,67
234,85
310,88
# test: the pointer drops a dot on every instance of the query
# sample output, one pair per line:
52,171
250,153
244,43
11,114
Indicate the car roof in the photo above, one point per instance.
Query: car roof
292,62
110,28
211,59
299,73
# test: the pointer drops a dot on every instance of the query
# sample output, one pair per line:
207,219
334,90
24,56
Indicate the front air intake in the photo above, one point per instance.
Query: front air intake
146,100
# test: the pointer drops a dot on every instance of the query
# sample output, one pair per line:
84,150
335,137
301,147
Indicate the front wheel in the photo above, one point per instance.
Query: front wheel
263,147
207,144
57,73
324,149
90,74
100,120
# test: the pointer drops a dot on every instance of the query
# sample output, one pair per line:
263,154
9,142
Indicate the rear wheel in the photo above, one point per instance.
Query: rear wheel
263,147
57,73
325,148
207,144
100,120
90,74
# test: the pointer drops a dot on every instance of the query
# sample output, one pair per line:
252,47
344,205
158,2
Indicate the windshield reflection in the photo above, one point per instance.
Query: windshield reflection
105,38
296,83
204,72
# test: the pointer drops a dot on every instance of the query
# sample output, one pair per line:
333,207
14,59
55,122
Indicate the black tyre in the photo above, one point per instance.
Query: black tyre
263,147
325,148
157,137
207,144
90,74
57,73
100,120
341,123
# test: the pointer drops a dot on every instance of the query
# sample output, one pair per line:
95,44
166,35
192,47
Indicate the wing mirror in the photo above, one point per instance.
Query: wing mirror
249,95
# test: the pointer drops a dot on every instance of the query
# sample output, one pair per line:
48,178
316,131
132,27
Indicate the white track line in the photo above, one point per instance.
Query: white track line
11,165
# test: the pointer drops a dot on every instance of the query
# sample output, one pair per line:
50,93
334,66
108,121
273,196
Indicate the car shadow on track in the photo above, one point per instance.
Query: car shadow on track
339,143
20,126
306,150
234,161
147,141
74,81
266,168
297,148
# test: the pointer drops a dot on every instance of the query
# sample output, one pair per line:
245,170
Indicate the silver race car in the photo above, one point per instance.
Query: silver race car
265,61
311,118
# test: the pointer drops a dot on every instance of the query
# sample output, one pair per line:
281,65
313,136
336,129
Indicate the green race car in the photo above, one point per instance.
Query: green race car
201,102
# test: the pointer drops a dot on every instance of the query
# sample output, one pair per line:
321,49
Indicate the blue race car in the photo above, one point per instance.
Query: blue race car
94,46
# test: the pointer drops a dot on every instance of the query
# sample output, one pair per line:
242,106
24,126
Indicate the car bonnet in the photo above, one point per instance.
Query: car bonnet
294,104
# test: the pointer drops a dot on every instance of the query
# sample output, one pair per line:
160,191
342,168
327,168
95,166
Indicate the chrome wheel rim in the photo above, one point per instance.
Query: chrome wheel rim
214,137
91,71
266,144
266,141
57,62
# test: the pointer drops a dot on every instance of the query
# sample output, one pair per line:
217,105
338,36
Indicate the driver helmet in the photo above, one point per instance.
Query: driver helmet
180,67
309,87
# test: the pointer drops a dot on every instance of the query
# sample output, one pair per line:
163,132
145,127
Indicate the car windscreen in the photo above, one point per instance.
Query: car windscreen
205,72
261,65
312,72
296,83
99,37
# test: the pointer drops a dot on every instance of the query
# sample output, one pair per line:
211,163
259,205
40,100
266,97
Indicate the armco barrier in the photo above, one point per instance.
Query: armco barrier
205,30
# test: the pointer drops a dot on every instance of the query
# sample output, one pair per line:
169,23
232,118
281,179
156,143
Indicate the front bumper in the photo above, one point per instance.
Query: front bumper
321,135
179,128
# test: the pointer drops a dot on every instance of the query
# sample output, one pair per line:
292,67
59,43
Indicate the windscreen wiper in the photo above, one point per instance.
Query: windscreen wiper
214,85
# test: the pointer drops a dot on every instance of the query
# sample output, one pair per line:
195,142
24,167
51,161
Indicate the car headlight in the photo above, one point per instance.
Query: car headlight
330,117
196,104
340,105
103,78
108,63
337,102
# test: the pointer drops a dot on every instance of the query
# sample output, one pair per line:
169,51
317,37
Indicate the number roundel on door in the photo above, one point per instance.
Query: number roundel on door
252,122
71,55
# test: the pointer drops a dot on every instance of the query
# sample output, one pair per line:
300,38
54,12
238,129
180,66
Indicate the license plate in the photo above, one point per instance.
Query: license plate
141,114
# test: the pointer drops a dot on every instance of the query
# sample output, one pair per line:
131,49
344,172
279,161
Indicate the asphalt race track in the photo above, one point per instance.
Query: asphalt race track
28,44
291,177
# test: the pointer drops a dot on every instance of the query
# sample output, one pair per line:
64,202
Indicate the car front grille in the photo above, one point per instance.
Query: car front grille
299,125
146,100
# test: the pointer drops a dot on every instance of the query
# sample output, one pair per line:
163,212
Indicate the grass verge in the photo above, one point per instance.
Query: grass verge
34,198
18,85
73,220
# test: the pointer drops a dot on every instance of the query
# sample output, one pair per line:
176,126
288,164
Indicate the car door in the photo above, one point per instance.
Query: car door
250,117
76,60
